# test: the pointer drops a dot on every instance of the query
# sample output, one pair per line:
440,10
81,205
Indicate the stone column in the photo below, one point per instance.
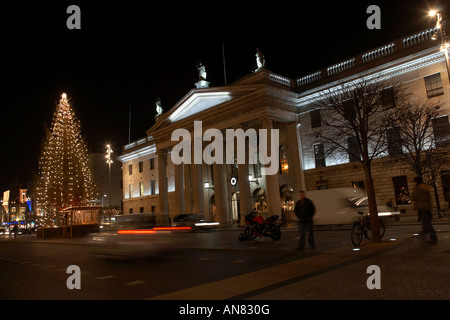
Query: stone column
162,187
187,188
295,158
179,189
197,188
245,200
272,185
221,193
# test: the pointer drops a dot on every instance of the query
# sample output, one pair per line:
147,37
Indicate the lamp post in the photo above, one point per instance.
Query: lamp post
109,161
444,45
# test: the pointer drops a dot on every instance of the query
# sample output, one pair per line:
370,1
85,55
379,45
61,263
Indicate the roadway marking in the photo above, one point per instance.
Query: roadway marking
238,261
105,277
254,282
135,283
203,259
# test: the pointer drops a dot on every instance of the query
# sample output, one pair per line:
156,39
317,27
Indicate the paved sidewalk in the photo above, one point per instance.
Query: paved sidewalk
409,269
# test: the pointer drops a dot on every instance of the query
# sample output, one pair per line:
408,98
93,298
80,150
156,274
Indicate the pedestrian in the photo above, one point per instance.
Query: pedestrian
15,230
422,203
305,210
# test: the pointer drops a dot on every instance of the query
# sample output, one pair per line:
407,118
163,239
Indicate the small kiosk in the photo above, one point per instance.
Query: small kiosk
81,220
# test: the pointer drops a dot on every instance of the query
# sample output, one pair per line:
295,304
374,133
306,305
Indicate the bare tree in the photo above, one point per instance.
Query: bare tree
356,117
415,123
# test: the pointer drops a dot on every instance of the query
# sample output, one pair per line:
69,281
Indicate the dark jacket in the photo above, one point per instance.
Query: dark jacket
422,197
304,210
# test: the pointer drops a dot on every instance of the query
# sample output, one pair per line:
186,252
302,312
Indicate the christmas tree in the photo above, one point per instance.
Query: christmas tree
65,177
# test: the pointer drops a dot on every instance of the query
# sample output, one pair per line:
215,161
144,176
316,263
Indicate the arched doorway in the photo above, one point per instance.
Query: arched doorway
235,207
212,207
287,201
260,200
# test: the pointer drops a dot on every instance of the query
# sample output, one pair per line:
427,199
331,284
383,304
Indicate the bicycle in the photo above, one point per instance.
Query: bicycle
441,213
363,228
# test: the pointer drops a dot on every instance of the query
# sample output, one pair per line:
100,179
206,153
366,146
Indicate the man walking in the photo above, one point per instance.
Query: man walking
305,210
422,203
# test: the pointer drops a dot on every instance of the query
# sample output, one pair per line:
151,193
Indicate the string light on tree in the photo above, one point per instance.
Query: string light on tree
109,162
65,178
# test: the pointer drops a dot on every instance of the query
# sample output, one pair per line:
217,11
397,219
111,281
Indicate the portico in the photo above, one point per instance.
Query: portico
207,188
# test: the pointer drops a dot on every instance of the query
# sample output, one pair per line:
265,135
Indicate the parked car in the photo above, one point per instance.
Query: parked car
195,221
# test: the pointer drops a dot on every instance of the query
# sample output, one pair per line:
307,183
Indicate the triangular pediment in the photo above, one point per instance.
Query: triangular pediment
201,102
197,101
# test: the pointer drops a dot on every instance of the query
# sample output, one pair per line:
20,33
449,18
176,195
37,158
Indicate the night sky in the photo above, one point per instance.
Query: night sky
127,54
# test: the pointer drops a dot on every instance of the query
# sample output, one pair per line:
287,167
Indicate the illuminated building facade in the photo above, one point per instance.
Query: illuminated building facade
266,100
16,208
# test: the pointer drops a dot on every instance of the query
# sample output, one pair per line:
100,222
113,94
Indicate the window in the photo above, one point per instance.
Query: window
433,85
153,209
441,130
401,190
141,209
394,141
284,165
353,149
141,189
130,191
349,110
131,210
141,166
315,118
445,177
130,169
319,155
359,185
388,98
152,163
152,187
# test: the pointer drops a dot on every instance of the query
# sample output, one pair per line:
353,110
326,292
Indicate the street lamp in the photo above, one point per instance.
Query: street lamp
109,161
444,45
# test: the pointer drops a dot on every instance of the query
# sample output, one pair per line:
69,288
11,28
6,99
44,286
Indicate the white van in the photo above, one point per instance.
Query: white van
340,206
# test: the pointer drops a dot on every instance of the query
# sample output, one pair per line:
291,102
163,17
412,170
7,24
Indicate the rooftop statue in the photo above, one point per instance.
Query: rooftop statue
159,109
260,61
201,72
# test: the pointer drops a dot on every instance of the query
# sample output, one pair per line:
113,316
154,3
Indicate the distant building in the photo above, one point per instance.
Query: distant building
264,99
16,208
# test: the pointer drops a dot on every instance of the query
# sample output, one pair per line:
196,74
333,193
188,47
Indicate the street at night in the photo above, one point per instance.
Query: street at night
216,265
224,159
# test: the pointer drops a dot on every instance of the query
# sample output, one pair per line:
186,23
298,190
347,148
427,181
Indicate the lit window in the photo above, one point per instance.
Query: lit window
284,165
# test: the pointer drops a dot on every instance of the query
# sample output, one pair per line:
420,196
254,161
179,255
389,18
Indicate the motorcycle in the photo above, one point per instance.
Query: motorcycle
258,227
